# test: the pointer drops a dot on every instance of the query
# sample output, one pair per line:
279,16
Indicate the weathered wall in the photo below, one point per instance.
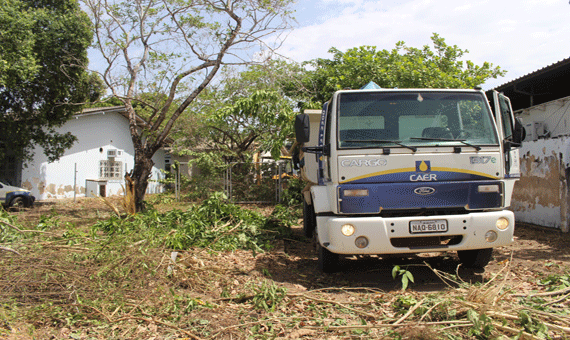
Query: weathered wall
553,115
96,134
541,195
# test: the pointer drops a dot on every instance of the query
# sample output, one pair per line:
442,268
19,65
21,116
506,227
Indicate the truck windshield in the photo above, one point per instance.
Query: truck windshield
414,119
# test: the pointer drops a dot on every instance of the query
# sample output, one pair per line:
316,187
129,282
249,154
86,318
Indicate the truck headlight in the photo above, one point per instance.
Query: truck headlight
347,230
502,223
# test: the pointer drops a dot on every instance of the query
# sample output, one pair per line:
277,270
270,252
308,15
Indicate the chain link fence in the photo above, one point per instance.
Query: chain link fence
243,182
260,182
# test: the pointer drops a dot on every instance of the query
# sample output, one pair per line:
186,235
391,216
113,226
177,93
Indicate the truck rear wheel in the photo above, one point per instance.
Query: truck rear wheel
309,220
476,258
328,261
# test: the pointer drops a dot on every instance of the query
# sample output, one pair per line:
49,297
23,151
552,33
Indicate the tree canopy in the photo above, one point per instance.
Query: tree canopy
176,47
402,67
246,111
252,110
43,57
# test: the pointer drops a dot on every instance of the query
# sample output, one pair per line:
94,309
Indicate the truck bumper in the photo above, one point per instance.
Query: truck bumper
395,236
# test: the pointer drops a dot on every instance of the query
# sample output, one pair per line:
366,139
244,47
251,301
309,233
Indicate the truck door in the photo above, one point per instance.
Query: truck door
505,119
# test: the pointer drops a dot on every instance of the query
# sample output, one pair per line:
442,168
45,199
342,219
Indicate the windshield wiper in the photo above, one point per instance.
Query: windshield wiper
448,140
397,142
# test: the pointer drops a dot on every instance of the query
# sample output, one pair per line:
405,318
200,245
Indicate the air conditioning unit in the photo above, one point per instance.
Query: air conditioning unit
530,133
535,130
540,129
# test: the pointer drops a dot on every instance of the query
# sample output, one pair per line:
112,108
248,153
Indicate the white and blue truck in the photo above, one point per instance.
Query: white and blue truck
407,171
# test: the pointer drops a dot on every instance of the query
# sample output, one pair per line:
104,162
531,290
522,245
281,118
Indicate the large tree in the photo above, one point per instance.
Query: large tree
43,57
404,67
176,47
246,111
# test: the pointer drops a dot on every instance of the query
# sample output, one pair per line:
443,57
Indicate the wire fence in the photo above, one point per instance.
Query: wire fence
246,182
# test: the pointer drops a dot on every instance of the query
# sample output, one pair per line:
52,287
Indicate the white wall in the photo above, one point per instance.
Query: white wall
96,134
542,196
554,115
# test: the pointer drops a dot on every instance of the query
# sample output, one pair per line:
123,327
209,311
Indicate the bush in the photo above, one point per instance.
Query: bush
213,224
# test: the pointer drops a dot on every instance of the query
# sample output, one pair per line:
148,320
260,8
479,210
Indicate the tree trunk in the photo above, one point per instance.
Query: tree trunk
139,177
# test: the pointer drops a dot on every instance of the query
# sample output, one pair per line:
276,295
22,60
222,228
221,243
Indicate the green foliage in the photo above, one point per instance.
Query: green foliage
136,40
403,67
292,194
17,58
213,224
533,325
404,302
285,215
43,55
556,282
405,276
265,117
268,295
246,112
482,325
552,282
8,234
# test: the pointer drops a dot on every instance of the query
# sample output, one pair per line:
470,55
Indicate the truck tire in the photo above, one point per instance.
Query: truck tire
476,258
17,203
327,261
309,220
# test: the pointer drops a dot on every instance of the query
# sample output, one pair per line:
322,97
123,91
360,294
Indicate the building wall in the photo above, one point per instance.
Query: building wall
541,196
96,133
553,117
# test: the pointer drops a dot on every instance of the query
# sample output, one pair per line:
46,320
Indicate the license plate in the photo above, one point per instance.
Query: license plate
428,226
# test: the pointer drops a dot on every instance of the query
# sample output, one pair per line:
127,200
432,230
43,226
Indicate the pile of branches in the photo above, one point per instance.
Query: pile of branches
484,311
61,279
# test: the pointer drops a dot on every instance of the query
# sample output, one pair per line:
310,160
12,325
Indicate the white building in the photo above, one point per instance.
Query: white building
96,164
541,100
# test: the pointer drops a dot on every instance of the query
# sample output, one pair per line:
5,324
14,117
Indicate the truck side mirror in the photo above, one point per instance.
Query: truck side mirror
519,133
302,128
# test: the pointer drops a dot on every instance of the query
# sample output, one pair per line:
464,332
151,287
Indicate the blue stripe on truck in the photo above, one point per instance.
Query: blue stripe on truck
390,196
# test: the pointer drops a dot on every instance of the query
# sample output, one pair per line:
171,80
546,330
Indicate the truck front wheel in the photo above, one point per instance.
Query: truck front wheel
17,203
328,261
309,219
476,258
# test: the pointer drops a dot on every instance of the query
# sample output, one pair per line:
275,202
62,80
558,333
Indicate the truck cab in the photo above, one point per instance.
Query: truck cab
400,171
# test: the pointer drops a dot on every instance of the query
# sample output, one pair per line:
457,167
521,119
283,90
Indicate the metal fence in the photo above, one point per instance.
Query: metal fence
248,182
260,182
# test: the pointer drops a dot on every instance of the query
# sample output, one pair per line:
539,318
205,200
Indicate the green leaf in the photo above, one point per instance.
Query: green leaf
395,271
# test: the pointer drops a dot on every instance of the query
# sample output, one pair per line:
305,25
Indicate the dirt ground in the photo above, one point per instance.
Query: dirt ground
536,251
536,254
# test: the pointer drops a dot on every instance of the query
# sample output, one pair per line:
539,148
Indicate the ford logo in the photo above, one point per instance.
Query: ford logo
424,191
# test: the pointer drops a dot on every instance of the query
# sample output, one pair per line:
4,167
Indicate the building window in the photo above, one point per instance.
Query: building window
110,169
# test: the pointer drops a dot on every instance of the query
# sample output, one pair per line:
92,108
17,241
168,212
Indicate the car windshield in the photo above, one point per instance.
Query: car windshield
414,119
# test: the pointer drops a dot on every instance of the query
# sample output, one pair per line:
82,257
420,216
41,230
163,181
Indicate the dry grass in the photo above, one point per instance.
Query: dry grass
72,282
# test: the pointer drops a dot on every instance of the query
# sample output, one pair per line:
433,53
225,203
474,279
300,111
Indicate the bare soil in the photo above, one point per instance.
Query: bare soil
222,288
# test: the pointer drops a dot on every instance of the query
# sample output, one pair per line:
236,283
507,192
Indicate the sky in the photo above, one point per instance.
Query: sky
519,36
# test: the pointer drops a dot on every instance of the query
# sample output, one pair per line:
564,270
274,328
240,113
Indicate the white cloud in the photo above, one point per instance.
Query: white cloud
519,36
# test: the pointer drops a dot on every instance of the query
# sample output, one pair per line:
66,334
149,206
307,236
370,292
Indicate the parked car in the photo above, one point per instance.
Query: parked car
15,197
